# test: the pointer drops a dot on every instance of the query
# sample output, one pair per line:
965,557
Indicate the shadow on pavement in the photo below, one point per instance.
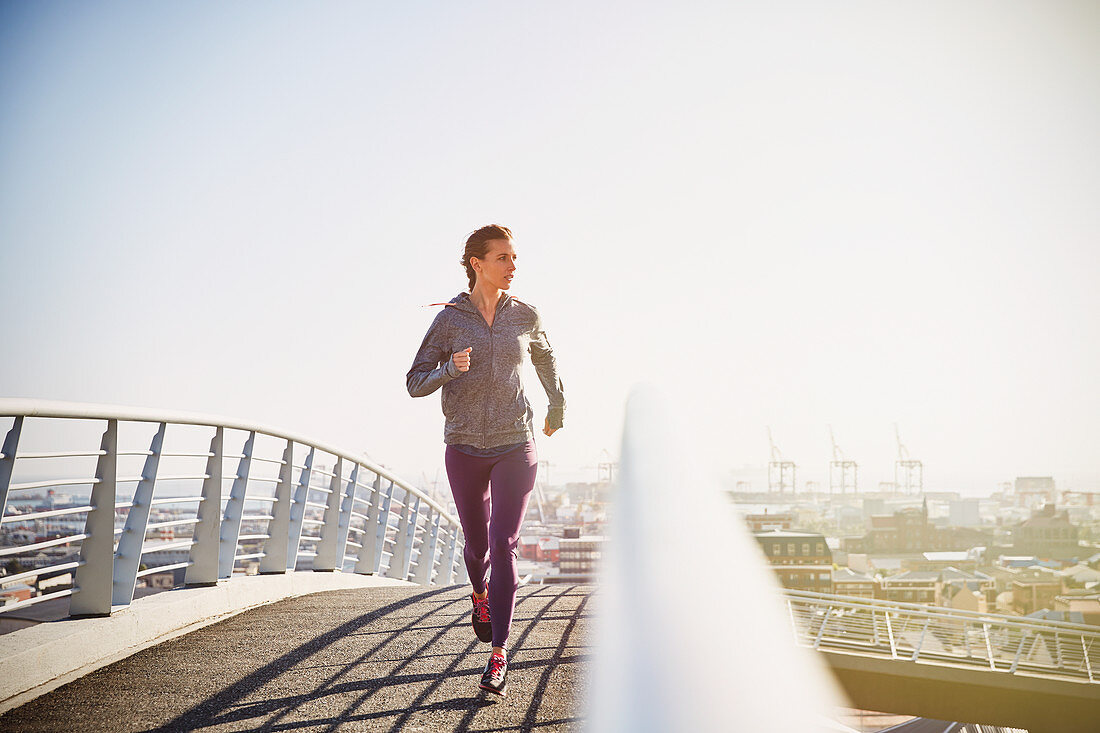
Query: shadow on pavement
356,687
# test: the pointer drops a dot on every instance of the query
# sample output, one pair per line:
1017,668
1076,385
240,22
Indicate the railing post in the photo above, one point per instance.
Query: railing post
382,528
327,558
406,536
7,463
1088,662
234,511
890,633
425,561
346,509
447,567
410,541
1019,651
367,561
92,589
1035,639
920,641
462,576
203,569
128,554
275,547
821,629
988,646
298,512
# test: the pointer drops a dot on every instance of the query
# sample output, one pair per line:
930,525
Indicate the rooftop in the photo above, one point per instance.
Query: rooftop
959,556
914,576
786,533
847,575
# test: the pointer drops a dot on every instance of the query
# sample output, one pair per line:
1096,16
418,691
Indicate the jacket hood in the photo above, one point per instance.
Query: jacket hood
462,301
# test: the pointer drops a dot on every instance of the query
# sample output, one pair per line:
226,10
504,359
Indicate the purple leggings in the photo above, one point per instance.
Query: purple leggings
491,495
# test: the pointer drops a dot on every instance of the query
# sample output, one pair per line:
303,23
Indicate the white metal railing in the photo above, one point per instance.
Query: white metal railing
691,632
916,633
352,516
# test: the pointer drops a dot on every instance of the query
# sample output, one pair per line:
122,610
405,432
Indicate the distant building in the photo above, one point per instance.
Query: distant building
164,581
963,513
767,522
539,548
527,547
1034,490
1002,580
847,582
1048,533
1083,602
908,531
940,560
801,560
873,506
911,586
1069,617
964,596
970,591
579,558
1081,498
548,550
1017,561
860,563
14,593
1035,589
1082,576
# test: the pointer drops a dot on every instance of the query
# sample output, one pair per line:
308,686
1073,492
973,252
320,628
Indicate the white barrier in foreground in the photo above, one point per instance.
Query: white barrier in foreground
692,634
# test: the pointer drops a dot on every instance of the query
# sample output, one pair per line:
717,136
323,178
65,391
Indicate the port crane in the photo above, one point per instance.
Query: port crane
908,472
843,471
781,471
544,480
605,469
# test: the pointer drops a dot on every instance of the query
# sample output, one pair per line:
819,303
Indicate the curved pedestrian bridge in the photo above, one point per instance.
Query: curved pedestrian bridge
396,651
394,658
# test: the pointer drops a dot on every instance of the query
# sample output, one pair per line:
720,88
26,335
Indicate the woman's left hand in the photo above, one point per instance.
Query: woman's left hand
547,429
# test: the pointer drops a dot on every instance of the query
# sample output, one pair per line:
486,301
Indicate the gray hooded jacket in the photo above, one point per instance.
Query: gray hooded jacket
485,407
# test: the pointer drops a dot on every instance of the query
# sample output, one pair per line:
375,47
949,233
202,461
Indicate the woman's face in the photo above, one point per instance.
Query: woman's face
499,265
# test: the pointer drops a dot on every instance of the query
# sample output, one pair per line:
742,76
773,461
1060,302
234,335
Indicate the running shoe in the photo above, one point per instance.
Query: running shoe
483,627
493,680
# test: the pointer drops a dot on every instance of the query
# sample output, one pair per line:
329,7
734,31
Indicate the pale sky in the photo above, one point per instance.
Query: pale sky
786,214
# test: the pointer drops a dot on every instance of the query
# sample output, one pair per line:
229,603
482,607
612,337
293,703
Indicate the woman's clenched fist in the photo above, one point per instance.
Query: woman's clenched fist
462,359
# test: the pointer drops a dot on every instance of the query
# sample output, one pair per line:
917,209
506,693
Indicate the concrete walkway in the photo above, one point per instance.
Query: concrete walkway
350,660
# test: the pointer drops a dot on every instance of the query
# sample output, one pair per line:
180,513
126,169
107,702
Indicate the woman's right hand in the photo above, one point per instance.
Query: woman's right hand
462,359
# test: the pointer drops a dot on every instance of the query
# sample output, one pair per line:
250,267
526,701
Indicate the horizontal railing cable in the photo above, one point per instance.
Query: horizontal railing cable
934,634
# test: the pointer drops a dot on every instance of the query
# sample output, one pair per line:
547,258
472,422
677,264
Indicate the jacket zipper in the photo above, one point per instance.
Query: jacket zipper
488,392
488,395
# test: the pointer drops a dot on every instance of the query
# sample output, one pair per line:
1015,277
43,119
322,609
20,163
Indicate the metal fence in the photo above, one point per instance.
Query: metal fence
173,507
916,633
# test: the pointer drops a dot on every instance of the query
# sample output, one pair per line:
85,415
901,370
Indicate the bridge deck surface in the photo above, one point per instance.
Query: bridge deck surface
373,659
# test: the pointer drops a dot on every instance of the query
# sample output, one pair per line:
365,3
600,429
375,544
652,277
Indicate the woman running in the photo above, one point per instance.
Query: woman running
474,350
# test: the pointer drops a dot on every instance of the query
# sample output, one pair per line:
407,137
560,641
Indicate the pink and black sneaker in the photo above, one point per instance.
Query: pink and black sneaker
483,627
494,679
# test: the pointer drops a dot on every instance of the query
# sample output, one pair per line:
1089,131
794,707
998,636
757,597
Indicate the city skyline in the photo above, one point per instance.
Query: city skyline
851,216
